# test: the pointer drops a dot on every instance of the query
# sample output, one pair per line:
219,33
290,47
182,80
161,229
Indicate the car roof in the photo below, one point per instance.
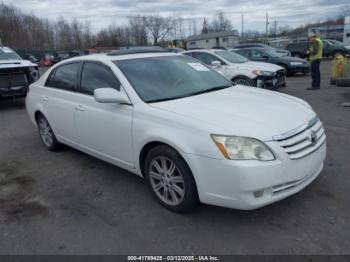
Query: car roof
203,50
107,57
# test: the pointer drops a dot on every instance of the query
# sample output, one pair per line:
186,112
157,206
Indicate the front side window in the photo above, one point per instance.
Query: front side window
232,57
96,76
164,78
242,52
205,57
65,77
256,54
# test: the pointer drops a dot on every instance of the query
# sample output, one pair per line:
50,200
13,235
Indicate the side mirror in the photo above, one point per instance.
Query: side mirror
110,95
216,64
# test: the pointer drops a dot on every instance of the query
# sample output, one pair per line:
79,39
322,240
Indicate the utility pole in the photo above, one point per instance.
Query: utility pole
275,28
267,27
242,35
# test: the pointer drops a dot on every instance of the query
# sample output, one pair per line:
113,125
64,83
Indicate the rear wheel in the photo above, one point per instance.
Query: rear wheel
46,134
170,179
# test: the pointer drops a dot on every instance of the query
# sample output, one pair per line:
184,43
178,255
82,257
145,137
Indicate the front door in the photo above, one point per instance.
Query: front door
103,129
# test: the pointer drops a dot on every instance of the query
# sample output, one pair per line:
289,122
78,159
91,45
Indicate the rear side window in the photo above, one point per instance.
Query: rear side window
64,77
96,76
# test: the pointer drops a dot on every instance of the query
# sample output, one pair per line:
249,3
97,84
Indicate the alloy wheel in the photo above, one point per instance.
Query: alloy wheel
166,181
45,132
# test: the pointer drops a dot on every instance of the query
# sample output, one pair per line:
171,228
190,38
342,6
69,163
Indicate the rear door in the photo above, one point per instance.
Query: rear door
103,129
58,100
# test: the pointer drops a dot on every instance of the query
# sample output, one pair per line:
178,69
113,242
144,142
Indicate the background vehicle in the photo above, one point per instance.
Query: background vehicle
291,64
62,55
249,45
330,48
234,146
174,49
16,74
31,58
240,70
47,60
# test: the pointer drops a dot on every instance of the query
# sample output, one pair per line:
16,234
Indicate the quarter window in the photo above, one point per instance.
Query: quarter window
64,77
96,76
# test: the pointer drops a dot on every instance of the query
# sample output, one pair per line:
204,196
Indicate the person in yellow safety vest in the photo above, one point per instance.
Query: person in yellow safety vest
315,56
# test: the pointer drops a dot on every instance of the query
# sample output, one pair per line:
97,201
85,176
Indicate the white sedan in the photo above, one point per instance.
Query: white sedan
182,126
240,70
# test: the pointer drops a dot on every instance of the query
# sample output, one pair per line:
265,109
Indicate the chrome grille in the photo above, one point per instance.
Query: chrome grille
10,80
304,140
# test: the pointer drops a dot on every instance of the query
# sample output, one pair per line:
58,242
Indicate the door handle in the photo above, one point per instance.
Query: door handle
80,108
45,98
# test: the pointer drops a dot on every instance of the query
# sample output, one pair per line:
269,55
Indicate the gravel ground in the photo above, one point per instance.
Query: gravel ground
71,203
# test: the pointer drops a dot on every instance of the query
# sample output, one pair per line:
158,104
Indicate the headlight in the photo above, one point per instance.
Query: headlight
296,63
243,148
34,72
264,73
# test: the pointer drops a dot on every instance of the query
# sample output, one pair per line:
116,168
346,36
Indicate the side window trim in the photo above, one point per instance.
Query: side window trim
53,73
80,76
50,78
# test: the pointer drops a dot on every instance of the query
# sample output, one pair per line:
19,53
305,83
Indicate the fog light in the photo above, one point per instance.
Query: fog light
258,194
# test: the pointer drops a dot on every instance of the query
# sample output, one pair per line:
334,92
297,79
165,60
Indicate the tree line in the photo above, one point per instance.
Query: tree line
20,30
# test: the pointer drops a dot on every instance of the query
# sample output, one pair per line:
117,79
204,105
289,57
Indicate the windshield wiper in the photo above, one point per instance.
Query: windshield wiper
216,88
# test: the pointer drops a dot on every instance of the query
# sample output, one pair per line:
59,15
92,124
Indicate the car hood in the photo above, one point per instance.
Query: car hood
15,64
288,59
243,111
260,66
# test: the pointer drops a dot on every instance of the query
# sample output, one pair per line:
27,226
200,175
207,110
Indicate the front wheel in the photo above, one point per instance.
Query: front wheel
46,134
170,179
244,81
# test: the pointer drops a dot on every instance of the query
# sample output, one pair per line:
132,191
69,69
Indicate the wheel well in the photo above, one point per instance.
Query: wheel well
145,150
240,76
37,114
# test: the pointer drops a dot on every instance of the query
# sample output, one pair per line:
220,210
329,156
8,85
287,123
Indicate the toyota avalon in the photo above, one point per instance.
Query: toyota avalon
192,134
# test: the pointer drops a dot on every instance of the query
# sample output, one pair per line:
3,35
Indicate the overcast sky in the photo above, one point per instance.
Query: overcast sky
103,12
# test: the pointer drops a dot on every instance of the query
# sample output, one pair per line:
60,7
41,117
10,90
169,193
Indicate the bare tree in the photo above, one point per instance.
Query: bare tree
158,27
138,29
220,23
205,26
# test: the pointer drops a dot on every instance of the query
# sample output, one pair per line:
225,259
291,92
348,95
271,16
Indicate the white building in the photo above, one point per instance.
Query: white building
346,37
222,39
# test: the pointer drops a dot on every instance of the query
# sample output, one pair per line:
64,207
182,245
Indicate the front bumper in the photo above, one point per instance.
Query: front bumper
234,184
271,82
299,69
13,91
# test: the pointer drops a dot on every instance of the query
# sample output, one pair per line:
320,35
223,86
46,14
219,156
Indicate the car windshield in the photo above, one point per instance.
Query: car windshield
232,57
8,54
163,78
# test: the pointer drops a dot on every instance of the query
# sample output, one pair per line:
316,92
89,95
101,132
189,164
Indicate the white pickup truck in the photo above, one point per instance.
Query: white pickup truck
16,74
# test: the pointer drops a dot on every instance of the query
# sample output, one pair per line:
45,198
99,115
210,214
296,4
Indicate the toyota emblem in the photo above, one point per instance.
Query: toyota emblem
313,137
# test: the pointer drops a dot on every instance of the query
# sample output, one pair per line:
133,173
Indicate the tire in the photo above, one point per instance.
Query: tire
46,134
242,80
344,82
285,67
170,179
